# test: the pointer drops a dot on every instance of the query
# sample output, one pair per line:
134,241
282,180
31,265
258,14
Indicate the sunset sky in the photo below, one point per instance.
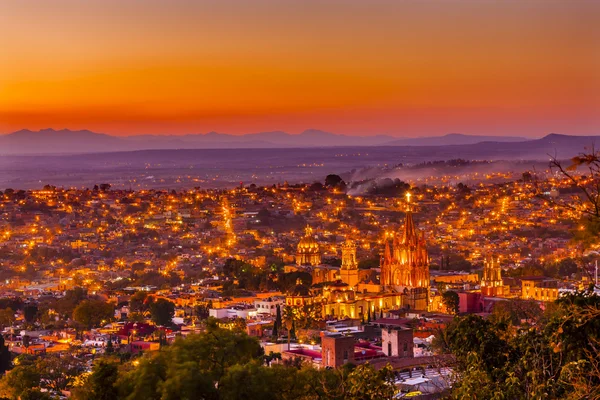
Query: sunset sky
398,67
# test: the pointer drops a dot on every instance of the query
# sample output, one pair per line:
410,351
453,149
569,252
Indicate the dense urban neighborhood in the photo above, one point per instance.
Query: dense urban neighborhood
323,290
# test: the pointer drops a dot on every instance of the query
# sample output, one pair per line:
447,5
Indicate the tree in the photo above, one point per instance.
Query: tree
192,367
137,301
255,381
35,394
567,267
277,323
264,217
142,377
308,315
71,299
588,185
57,372
26,342
556,357
365,383
30,313
202,311
7,317
292,332
162,312
516,310
473,334
5,357
101,384
91,313
136,317
109,346
451,300
222,364
316,187
333,180
18,380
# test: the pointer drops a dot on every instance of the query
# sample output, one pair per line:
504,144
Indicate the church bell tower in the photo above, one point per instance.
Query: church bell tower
349,269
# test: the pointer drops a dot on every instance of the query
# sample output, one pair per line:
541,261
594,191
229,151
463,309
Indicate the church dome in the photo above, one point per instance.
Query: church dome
308,250
308,244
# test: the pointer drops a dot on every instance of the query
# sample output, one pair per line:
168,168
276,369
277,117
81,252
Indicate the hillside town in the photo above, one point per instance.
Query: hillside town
318,276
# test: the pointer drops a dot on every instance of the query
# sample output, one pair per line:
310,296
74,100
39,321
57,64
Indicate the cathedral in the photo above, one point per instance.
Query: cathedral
405,265
346,291
403,279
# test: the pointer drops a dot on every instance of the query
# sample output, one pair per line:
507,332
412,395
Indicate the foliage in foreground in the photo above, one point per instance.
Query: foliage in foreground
217,364
556,357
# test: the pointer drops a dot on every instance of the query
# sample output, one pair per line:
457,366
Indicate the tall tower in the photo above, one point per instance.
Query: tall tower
405,263
491,283
349,269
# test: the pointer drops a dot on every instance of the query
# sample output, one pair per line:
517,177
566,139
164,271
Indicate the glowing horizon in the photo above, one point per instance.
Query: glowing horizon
401,68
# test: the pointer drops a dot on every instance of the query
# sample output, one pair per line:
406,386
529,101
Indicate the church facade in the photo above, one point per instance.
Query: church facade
405,265
491,282
347,291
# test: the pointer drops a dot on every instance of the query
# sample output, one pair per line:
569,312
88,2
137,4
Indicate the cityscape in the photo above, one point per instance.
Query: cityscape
381,256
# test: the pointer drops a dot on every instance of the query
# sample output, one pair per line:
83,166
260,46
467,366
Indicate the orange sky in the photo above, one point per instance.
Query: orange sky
399,67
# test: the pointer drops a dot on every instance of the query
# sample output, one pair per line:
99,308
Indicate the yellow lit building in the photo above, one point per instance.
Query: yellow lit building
539,288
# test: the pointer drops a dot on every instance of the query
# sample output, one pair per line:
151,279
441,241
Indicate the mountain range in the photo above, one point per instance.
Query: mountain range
50,141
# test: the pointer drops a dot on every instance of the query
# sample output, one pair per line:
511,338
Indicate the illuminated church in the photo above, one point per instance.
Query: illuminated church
308,258
405,264
491,282
308,251
403,283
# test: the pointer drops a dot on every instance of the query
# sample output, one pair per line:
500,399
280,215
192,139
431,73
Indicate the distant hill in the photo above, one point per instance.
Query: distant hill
308,138
552,145
50,141
453,139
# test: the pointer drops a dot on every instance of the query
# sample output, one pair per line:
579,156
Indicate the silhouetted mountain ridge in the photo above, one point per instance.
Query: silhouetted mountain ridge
64,141
454,139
